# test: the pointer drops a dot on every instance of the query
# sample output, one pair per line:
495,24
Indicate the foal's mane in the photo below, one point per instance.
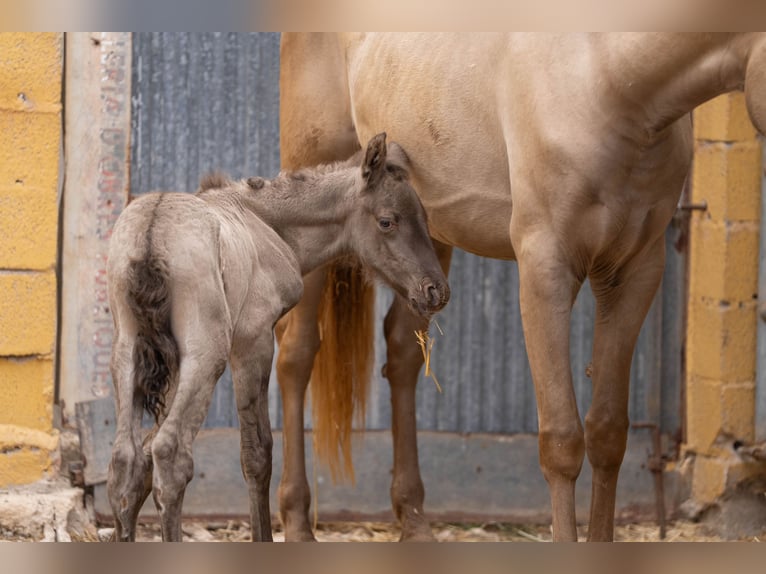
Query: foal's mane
219,180
214,180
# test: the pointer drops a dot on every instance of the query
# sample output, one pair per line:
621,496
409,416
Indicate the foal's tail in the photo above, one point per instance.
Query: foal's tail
342,368
155,353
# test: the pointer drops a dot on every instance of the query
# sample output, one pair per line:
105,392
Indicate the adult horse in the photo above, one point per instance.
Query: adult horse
566,152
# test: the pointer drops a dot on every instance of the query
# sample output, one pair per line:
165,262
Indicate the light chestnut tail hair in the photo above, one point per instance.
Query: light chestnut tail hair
341,374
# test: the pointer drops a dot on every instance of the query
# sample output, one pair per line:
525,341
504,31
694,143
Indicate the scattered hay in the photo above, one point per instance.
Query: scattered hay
239,531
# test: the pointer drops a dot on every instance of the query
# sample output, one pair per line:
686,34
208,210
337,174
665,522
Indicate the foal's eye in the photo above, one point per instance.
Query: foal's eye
385,223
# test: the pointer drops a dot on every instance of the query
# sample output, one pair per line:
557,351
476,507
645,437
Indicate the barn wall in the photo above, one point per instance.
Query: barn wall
722,311
723,293
30,151
211,100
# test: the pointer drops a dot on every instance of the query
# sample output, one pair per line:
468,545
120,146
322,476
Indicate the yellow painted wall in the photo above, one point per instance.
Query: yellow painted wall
723,290
31,66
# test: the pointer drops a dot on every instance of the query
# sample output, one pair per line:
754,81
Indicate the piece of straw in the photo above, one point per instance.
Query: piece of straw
426,346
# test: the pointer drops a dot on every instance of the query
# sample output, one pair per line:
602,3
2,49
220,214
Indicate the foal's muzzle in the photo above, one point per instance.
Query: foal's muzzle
430,297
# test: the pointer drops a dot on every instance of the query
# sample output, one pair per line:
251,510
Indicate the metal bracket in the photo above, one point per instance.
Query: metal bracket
702,206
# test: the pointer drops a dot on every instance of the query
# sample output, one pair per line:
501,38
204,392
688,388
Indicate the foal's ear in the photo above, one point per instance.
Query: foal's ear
375,159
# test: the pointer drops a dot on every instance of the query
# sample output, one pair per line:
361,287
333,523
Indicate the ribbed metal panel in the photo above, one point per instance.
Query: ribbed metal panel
205,101
481,360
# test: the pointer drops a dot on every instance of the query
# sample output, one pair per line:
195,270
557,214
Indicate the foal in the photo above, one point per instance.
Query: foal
196,280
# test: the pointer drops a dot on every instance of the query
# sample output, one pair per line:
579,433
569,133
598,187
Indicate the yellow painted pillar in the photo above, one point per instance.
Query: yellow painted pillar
723,288
30,151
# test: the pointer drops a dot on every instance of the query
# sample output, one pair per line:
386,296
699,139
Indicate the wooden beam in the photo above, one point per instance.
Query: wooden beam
97,149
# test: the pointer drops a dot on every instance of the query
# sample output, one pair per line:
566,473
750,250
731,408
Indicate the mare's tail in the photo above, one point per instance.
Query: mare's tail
155,354
341,374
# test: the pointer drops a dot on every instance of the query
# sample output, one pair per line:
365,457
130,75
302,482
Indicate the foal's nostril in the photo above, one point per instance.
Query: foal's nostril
432,295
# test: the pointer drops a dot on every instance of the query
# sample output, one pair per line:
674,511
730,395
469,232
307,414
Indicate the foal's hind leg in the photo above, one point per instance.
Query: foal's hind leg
620,312
251,366
172,446
298,337
128,467
403,362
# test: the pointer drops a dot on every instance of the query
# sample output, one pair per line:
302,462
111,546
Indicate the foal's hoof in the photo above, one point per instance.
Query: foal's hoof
299,536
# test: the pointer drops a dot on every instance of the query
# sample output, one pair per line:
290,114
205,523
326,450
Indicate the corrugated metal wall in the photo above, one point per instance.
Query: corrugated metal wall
206,101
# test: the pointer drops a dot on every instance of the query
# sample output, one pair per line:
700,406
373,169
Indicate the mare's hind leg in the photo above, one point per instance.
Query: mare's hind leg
620,312
251,366
172,446
128,467
298,337
315,126
403,362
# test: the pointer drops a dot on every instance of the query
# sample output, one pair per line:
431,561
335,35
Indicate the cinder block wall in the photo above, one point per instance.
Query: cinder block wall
723,288
30,155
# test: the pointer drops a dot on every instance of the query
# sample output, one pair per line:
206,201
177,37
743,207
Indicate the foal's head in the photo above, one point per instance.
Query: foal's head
389,232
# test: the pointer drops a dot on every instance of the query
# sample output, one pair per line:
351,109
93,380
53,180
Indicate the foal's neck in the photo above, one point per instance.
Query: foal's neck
309,210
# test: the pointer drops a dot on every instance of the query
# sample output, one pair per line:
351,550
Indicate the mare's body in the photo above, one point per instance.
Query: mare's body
565,152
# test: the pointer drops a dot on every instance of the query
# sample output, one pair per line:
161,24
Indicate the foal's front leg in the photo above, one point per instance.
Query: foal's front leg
251,366
298,338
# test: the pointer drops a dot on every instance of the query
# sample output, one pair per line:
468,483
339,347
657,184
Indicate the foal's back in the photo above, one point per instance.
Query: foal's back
216,253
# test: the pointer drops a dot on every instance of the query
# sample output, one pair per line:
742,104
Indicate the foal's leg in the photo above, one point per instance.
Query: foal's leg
620,312
403,362
298,338
172,446
128,467
250,367
547,291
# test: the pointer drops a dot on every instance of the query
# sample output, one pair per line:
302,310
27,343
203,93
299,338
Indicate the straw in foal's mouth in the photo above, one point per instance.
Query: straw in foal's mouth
426,344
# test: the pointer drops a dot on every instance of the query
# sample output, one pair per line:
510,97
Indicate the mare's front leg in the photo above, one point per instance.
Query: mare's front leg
622,302
403,362
250,368
547,289
298,338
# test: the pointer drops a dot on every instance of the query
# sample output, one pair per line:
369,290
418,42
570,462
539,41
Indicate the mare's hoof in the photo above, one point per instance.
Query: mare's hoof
417,533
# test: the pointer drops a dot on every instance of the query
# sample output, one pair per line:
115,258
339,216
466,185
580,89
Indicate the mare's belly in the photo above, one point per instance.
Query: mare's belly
478,222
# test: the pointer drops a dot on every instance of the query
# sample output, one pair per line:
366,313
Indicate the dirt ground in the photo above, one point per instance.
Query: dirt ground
238,531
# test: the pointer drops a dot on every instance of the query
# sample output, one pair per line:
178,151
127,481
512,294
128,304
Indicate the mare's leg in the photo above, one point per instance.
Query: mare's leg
315,126
128,467
171,448
298,337
623,300
547,289
403,362
250,367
